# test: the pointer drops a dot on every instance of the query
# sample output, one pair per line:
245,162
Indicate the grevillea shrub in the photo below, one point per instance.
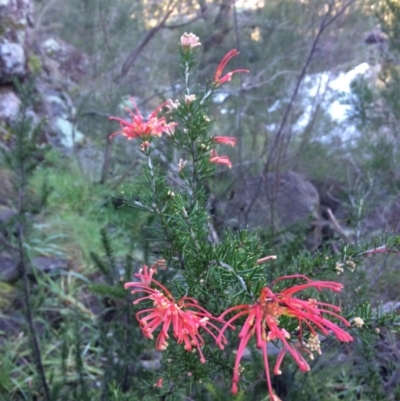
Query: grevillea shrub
214,297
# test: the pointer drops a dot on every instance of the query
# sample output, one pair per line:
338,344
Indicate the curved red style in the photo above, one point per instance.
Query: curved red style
262,321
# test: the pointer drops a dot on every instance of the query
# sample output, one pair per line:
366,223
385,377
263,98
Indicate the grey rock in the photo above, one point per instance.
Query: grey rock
12,61
56,104
283,201
9,268
392,306
9,104
151,365
59,65
63,64
375,36
58,108
6,213
151,361
11,324
49,264
64,133
16,17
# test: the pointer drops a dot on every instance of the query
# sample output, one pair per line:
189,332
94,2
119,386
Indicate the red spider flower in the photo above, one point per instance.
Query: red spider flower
139,128
217,78
263,322
185,317
214,158
226,140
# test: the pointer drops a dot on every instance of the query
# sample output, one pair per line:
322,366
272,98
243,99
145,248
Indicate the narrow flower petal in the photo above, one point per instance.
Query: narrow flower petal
183,318
226,140
214,158
140,128
217,77
262,322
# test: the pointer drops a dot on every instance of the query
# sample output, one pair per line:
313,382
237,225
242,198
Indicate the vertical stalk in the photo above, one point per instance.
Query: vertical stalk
28,312
21,155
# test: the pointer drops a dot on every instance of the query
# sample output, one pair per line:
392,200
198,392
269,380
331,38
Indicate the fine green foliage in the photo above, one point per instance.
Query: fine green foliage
70,333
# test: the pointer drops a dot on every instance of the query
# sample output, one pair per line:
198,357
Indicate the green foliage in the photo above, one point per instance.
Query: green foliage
91,346
7,293
79,209
221,275
34,64
360,100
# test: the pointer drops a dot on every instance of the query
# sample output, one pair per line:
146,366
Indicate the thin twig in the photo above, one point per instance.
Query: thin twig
266,259
197,17
126,174
29,318
125,382
21,155
103,28
95,113
238,127
380,249
326,21
337,226
35,343
237,276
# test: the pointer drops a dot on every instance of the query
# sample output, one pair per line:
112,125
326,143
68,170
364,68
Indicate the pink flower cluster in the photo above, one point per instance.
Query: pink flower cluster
189,41
142,129
262,322
185,318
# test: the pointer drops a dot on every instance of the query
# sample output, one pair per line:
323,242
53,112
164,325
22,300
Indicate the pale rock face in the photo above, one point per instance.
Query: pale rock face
51,46
66,132
12,61
60,67
16,16
64,64
9,104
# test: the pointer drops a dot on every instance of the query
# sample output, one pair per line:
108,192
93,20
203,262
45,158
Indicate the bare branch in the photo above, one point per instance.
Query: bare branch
337,226
95,113
126,174
130,60
266,259
380,249
197,17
